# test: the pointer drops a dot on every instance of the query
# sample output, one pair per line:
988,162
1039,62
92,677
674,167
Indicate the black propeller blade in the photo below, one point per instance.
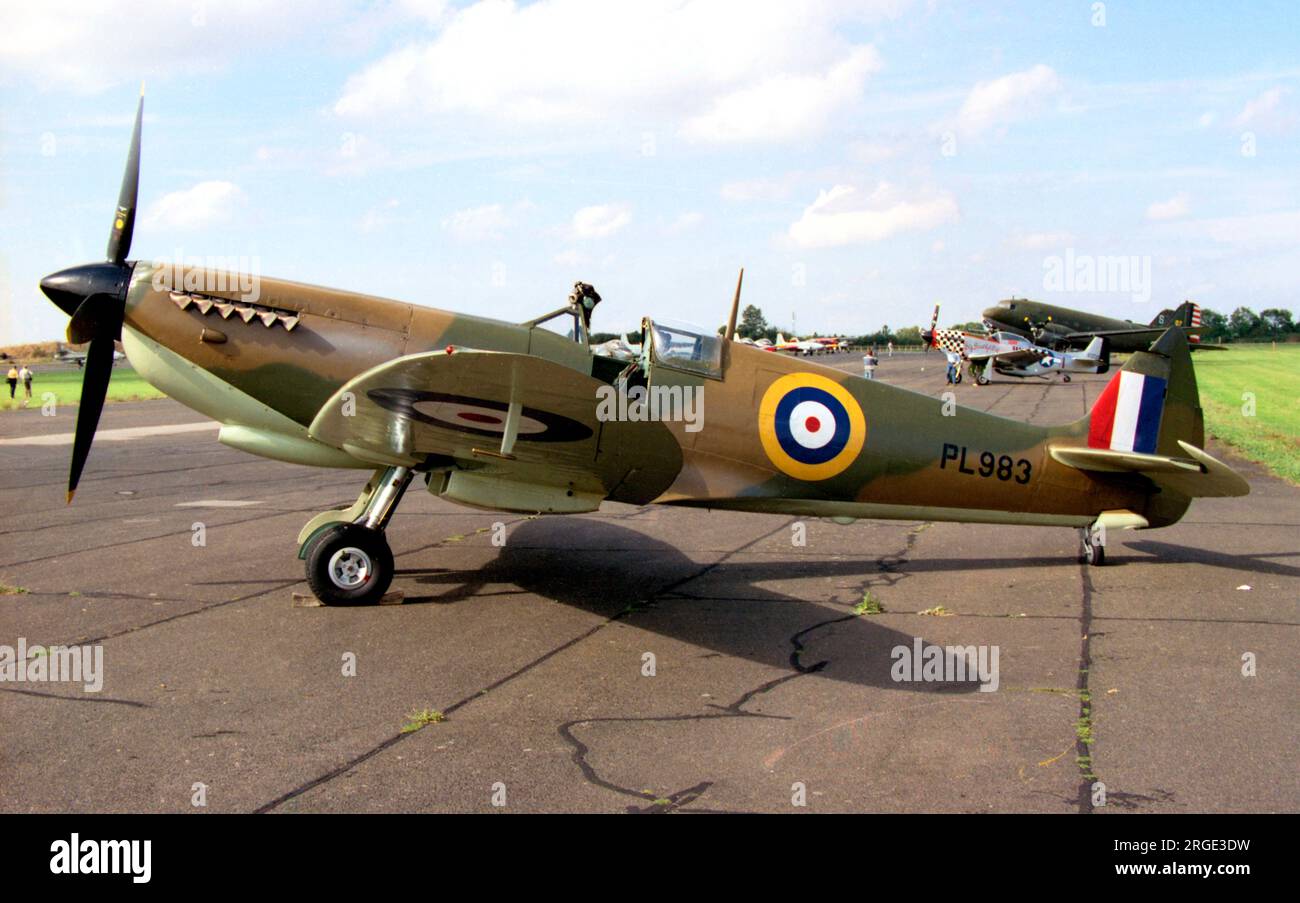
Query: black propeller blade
119,240
94,388
99,316
94,295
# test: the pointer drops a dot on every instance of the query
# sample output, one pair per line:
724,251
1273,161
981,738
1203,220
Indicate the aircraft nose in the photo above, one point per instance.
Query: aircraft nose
68,288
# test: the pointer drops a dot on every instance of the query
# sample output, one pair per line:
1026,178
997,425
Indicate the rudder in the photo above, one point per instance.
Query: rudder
1151,403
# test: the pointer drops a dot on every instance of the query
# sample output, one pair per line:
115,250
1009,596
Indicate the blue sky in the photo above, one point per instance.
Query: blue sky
863,161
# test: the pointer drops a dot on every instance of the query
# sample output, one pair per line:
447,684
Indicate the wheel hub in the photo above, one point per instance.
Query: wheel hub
349,567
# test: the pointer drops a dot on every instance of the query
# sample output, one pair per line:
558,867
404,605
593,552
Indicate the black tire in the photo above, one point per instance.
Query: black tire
1093,554
1065,377
350,565
981,378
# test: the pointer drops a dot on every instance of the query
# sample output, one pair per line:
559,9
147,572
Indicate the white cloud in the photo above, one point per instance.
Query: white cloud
193,208
432,11
568,258
721,70
1176,206
1009,98
478,223
843,216
600,220
784,106
1206,119
89,46
1264,111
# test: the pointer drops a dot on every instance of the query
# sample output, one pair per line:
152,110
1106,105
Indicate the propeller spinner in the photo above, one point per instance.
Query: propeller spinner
94,296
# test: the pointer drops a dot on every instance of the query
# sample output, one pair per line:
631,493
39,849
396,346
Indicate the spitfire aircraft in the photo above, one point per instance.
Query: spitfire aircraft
508,416
1012,355
1062,328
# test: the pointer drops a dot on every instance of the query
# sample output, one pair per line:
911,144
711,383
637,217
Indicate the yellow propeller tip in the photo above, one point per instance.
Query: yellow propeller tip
71,493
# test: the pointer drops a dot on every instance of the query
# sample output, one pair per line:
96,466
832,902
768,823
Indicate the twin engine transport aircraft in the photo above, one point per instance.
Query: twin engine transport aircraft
508,416
1012,355
1061,327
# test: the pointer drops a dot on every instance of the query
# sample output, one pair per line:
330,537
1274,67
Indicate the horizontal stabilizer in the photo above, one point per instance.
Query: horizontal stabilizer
1199,475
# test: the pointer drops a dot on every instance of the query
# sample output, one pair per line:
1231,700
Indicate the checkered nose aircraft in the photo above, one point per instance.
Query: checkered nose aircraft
508,416
1009,354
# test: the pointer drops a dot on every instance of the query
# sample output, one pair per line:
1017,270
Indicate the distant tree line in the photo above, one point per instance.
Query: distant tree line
1244,325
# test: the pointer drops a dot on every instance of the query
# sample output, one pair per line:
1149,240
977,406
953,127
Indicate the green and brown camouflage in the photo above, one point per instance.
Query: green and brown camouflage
516,417
919,457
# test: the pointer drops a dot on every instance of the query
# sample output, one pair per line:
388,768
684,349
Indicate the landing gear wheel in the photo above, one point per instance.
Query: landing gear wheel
1093,553
1065,377
350,565
981,377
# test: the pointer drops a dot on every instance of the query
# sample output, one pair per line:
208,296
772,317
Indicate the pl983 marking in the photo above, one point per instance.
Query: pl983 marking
986,464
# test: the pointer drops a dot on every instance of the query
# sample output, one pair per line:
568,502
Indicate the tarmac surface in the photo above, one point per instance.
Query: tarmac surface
767,688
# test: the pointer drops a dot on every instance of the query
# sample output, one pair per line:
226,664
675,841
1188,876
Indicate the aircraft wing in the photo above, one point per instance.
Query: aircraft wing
514,418
1022,358
1081,339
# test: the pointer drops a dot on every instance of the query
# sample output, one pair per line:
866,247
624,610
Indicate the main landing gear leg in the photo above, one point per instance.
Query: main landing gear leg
347,554
1093,550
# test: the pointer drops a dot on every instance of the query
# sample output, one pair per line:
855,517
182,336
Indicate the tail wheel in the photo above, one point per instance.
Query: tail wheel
1093,552
1065,377
350,565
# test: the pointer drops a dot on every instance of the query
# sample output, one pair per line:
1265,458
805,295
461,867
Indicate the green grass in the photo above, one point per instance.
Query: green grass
125,385
421,719
1272,435
870,605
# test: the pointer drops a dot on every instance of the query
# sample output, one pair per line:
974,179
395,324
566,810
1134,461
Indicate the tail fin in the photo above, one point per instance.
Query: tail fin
1151,403
1187,315
1094,349
1148,420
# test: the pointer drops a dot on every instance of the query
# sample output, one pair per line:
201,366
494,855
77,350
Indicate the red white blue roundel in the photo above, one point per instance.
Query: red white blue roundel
479,416
811,427
458,414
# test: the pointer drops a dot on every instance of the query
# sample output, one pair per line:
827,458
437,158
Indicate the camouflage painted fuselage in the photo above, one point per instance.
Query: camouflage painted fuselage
910,457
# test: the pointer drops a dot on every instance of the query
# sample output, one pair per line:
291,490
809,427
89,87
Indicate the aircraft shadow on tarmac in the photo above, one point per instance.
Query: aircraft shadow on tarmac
612,571
1253,563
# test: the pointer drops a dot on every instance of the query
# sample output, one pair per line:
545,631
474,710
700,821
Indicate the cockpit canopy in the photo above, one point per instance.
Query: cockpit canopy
691,349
